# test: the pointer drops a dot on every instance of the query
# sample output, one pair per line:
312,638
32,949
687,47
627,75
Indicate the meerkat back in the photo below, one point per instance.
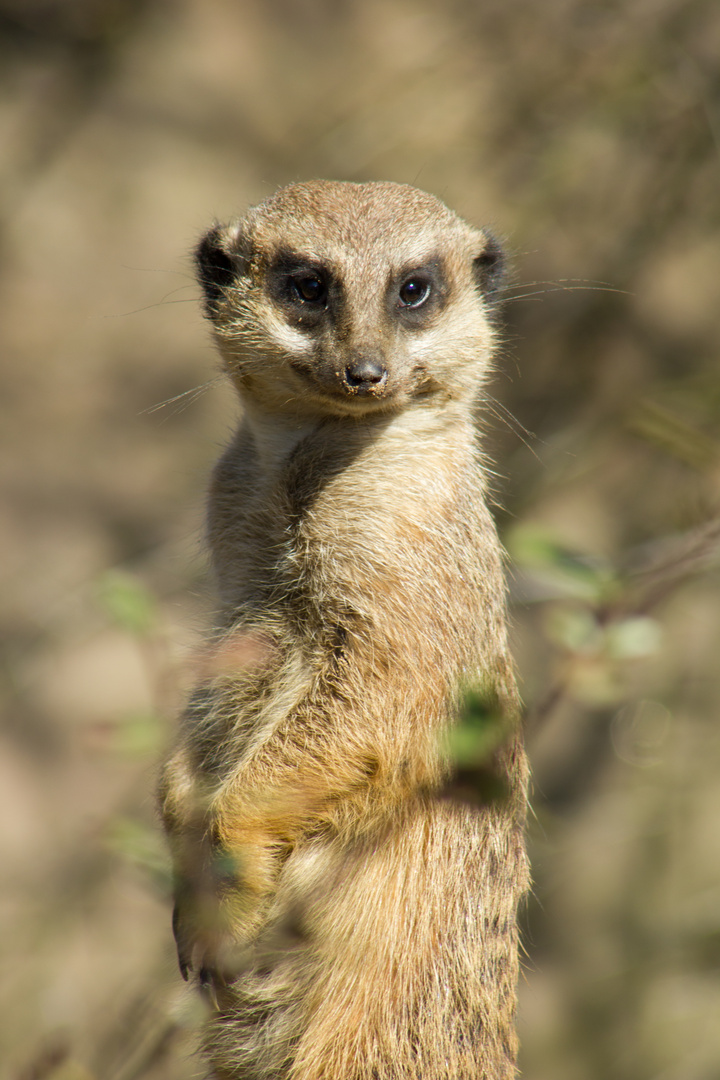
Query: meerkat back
347,914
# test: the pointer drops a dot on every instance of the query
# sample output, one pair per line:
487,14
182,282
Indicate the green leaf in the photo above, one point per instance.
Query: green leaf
143,846
480,729
569,573
633,638
139,735
127,602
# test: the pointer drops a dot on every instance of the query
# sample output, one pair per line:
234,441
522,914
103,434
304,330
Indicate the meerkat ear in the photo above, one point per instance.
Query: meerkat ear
216,267
489,267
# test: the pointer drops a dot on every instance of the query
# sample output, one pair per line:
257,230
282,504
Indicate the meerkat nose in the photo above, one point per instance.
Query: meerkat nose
365,374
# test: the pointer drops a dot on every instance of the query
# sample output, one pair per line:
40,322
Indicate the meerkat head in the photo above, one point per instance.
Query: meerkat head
346,298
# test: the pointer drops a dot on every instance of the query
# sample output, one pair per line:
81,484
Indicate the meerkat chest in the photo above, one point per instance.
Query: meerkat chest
328,510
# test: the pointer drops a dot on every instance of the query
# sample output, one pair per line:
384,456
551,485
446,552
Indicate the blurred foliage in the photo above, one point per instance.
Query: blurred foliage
145,848
127,602
586,134
480,731
139,735
472,747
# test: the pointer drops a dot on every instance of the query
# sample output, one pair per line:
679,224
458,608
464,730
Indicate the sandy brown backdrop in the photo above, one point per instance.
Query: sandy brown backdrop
586,134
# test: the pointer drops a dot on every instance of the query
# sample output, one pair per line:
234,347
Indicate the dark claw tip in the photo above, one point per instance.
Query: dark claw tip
208,988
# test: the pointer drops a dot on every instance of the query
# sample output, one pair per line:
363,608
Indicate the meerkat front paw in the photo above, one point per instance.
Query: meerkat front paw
220,897
204,933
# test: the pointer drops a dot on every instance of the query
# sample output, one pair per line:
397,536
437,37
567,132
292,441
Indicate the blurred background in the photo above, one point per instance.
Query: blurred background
588,136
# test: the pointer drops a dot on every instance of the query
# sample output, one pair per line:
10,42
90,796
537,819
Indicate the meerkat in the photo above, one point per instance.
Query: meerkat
347,914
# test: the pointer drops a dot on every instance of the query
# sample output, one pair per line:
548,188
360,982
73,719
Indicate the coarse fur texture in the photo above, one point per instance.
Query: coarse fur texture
348,917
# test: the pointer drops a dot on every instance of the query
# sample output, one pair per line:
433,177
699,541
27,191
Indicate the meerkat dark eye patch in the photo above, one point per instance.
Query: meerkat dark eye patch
216,270
419,292
300,286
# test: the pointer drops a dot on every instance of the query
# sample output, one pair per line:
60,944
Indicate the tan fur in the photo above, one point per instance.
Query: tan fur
348,918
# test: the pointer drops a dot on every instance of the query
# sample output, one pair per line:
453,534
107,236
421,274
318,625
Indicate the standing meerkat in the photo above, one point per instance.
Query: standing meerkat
347,916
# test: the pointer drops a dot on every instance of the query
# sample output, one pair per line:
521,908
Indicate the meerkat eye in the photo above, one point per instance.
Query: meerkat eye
310,289
414,292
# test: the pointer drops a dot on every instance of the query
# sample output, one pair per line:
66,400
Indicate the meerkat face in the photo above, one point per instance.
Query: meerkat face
347,298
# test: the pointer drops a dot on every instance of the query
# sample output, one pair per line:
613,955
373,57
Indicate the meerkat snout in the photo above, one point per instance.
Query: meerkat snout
365,375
